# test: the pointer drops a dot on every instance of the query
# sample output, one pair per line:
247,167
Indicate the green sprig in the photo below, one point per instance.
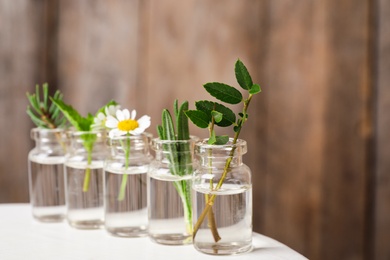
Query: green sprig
83,124
43,113
178,153
208,114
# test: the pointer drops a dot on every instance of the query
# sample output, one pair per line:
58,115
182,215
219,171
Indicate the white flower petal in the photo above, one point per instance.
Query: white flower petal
112,122
107,110
137,131
113,133
100,116
144,122
119,115
126,114
122,132
133,114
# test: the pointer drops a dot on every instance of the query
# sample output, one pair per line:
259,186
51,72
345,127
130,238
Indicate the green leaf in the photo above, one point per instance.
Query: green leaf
242,75
79,122
36,120
255,89
212,138
176,108
182,122
221,139
167,125
34,105
198,117
57,95
37,100
228,117
223,92
45,95
160,132
217,116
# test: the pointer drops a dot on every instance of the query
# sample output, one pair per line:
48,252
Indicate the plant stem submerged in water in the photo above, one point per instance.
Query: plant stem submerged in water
207,211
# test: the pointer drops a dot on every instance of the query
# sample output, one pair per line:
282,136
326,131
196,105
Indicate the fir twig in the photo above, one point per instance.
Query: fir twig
42,111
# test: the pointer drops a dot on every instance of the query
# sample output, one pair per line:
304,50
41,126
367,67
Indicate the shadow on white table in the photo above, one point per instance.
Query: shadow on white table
22,237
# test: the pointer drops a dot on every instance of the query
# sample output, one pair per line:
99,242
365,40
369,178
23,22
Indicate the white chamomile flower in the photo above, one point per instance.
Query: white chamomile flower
125,123
100,119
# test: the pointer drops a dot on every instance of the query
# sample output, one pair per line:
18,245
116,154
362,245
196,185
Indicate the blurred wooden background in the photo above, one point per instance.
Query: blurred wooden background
319,135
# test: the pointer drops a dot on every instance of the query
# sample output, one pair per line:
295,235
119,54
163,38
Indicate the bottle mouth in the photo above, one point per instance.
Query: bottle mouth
239,148
46,134
158,144
137,142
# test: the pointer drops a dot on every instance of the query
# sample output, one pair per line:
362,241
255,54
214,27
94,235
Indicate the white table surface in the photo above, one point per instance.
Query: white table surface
22,237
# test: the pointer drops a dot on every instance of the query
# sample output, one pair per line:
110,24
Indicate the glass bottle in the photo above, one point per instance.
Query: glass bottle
125,188
46,174
84,179
222,201
169,192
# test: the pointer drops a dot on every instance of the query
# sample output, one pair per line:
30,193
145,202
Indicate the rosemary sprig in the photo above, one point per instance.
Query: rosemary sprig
43,112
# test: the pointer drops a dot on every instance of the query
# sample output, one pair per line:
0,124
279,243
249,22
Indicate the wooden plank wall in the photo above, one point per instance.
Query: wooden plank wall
382,151
318,134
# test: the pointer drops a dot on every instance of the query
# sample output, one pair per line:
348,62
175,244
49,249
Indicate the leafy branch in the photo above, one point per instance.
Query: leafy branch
208,114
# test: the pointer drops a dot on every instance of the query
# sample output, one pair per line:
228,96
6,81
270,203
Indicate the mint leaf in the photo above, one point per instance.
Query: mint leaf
198,117
79,122
242,75
255,89
221,139
228,117
223,92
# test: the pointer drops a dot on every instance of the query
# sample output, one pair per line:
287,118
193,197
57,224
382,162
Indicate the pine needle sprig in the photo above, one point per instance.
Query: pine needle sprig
43,112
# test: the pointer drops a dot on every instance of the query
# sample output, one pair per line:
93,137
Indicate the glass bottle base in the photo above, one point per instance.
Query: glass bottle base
87,224
171,239
223,248
50,218
128,231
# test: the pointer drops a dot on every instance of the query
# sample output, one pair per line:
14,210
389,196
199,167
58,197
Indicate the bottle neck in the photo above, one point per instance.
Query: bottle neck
220,156
49,139
133,146
87,140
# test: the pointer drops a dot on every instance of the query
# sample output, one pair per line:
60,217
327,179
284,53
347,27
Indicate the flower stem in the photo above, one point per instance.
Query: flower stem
122,190
87,175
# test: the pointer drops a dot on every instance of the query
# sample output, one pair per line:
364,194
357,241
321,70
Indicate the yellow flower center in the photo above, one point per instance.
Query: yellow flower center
127,125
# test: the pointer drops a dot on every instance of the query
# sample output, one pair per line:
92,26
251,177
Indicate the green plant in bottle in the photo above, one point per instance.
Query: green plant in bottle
210,113
178,153
83,124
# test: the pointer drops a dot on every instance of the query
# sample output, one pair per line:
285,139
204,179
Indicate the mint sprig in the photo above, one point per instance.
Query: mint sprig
83,124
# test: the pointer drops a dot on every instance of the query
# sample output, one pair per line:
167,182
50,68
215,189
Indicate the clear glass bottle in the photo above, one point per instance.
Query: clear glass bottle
84,179
169,192
125,199
222,201
46,174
